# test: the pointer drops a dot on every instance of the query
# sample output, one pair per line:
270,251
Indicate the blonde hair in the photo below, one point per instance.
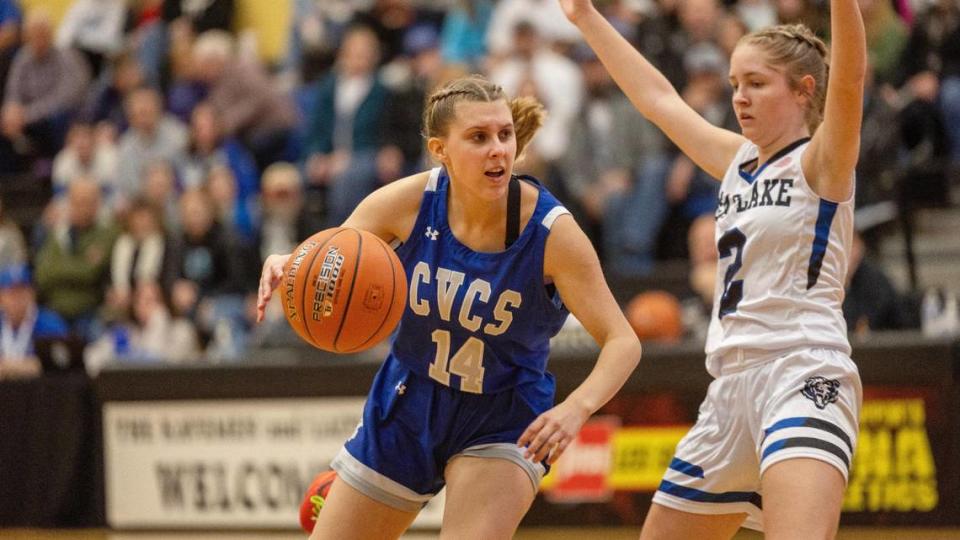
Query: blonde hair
528,113
796,48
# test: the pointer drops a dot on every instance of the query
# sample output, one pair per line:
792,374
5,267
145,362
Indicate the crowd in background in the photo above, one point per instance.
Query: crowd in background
166,159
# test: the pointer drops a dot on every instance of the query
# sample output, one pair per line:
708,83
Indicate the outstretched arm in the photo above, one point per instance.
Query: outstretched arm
710,147
585,292
830,161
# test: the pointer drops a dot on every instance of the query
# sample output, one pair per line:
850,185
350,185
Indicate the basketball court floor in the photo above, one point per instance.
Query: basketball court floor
570,533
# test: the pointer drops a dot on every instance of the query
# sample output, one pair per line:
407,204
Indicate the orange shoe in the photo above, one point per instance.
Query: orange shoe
314,498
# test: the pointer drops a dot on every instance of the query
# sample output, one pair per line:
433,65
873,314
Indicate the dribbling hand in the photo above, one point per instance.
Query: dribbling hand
553,431
269,279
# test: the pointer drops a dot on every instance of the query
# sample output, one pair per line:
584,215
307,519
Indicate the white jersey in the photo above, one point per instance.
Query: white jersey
783,260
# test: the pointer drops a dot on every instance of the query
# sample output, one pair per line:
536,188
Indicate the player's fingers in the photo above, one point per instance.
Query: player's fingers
558,450
548,446
269,280
540,439
531,431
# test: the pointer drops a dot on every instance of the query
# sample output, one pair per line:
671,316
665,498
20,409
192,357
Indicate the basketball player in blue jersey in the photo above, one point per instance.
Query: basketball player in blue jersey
494,263
773,441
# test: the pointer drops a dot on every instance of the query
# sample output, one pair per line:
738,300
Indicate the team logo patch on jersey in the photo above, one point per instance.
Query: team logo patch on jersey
821,391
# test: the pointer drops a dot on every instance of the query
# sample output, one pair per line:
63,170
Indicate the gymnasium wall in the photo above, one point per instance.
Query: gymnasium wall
267,20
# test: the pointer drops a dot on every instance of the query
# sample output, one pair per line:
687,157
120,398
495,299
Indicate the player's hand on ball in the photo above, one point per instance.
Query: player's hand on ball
553,431
269,279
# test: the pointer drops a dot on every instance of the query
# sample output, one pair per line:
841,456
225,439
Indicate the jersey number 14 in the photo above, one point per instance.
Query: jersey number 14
467,363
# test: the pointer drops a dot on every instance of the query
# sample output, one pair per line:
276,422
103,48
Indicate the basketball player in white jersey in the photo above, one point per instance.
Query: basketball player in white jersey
772,445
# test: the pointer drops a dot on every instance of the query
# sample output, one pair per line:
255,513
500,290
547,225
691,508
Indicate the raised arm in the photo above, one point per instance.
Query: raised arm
585,293
709,146
832,156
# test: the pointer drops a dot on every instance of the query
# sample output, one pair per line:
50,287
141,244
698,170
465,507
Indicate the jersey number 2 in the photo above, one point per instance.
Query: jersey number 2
732,290
467,363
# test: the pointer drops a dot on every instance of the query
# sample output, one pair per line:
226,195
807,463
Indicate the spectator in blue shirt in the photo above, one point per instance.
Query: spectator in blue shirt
22,322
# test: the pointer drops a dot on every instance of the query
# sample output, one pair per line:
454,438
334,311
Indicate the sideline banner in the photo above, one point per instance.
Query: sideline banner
904,471
223,463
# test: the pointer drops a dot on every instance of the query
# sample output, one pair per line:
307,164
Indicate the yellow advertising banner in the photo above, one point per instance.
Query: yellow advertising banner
641,455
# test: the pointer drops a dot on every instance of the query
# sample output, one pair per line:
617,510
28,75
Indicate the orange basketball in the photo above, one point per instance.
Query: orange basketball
655,316
343,290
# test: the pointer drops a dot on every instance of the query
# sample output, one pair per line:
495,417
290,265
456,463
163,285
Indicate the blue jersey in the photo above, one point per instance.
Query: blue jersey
477,322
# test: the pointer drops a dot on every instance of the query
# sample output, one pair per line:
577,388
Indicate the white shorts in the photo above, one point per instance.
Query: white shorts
805,403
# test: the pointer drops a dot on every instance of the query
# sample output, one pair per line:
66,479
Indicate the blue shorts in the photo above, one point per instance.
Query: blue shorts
413,426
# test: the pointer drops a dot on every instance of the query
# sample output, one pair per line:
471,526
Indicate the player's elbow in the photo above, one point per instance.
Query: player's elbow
632,349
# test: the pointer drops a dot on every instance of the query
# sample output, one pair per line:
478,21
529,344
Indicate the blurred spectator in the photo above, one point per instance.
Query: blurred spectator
545,16
138,253
930,63
690,191
22,322
535,69
729,31
246,101
756,14
13,246
316,27
702,247
202,16
886,36
152,336
153,136
679,29
925,172
881,145
403,146
615,168
209,148
285,221
463,38
179,76
45,87
809,12
700,22
871,302
707,89
10,19
88,154
207,275
234,210
73,262
203,260
660,38
105,99
95,28
390,20
161,191
346,126
148,39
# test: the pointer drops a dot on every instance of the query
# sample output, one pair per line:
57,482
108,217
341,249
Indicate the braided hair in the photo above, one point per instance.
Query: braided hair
796,48
440,107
